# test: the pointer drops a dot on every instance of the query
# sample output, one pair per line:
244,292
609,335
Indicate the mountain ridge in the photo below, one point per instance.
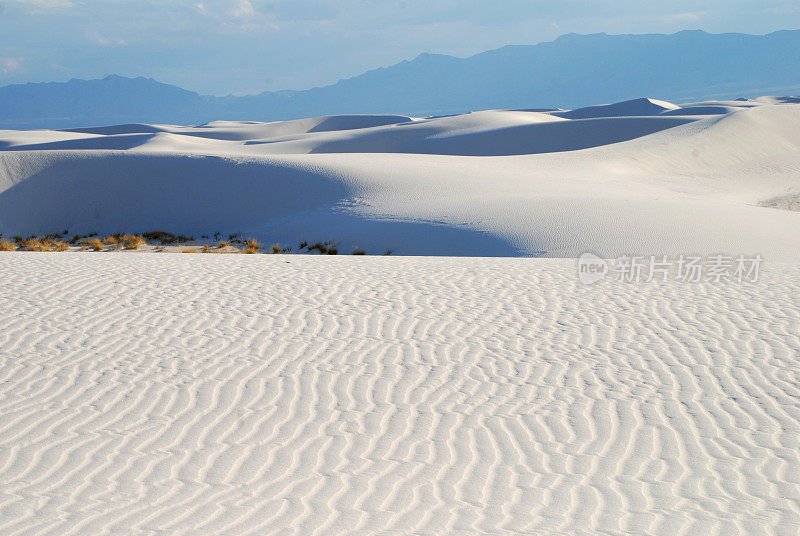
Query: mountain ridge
571,71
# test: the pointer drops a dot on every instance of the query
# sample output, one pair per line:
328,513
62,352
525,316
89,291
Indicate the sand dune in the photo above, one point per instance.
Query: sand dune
189,394
642,176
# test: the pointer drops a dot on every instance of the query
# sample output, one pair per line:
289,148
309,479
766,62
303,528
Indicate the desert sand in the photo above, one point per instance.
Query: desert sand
276,394
421,393
638,177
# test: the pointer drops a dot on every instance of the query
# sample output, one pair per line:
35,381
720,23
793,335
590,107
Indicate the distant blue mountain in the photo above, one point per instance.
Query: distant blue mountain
572,71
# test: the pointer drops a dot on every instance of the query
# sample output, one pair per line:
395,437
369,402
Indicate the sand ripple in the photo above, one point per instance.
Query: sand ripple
169,394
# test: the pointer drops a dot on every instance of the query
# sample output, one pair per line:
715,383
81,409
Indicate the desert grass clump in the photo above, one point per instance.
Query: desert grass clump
251,246
160,236
34,244
111,241
328,248
132,241
5,245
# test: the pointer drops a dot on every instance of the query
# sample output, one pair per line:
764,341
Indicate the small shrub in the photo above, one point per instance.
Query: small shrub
160,236
319,246
132,241
34,244
5,245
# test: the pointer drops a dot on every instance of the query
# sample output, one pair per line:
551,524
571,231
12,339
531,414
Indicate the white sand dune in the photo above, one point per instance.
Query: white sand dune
204,394
642,176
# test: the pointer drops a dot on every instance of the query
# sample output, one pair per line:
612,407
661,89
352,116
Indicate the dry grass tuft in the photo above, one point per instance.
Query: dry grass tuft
111,241
251,246
34,244
5,245
130,241
95,244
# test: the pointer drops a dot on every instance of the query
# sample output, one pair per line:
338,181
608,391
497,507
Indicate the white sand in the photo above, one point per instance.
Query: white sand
194,395
643,176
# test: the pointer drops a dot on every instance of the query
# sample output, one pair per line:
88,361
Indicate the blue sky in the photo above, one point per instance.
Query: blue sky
248,46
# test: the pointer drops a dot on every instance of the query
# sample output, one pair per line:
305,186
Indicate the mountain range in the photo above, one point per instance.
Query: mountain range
569,72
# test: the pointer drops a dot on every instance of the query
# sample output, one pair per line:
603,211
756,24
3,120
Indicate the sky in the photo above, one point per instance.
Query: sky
220,47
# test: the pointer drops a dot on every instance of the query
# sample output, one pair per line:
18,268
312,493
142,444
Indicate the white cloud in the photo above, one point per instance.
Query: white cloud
243,9
10,65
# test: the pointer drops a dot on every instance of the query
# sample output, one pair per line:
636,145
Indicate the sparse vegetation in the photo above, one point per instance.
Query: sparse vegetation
35,243
129,241
119,241
328,248
111,241
166,238
251,246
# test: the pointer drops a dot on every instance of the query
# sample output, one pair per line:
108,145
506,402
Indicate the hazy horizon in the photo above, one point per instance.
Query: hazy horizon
249,46
256,92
